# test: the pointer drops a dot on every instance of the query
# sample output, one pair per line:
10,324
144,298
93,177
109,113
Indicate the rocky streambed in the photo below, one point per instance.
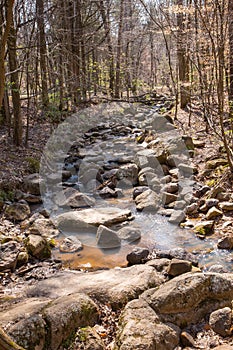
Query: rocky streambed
116,193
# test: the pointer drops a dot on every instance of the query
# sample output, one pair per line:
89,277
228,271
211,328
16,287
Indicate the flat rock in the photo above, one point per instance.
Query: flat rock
204,227
226,242
98,216
177,216
114,286
226,206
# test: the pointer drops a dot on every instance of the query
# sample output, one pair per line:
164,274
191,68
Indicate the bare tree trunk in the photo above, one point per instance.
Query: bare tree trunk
106,22
3,42
230,34
14,76
43,52
182,58
119,47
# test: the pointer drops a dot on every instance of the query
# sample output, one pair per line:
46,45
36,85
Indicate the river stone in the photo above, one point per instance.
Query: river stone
148,200
213,213
177,267
44,227
209,203
30,198
137,255
32,184
226,206
17,211
107,192
146,178
223,347
70,244
204,227
38,247
226,242
129,234
171,187
70,197
107,238
192,209
189,297
139,190
168,198
115,286
178,253
220,321
186,169
159,264
217,268
64,315
177,217
96,216
129,171
9,252
140,328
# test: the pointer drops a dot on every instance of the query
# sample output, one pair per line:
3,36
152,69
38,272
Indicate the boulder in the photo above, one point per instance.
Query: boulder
115,286
146,178
139,190
107,238
137,255
70,244
70,197
189,297
209,203
17,211
204,227
178,253
96,216
213,213
226,242
107,192
148,200
220,321
32,184
177,267
177,217
159,264
64,315
171,187
129,234
44,227
168,198
130,172
186,169
9,253
140,328
38,247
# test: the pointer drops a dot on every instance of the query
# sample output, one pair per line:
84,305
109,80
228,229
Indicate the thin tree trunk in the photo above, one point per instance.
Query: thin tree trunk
119,47
13,65
6,343
3,42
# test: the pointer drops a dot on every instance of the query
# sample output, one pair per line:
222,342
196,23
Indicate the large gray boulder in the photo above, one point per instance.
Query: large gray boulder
98,216
70,197
148,200
140,328
115,286
107,238
187,298
17,211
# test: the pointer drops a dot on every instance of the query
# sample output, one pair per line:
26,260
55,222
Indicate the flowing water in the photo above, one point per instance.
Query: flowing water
157,232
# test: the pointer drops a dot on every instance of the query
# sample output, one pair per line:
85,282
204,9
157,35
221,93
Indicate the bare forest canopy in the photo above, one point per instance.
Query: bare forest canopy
58,55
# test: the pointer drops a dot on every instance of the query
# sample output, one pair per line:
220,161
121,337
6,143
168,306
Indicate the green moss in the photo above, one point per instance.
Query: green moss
33,165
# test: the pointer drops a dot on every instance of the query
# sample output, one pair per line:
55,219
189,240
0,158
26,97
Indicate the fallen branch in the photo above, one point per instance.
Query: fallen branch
6,343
